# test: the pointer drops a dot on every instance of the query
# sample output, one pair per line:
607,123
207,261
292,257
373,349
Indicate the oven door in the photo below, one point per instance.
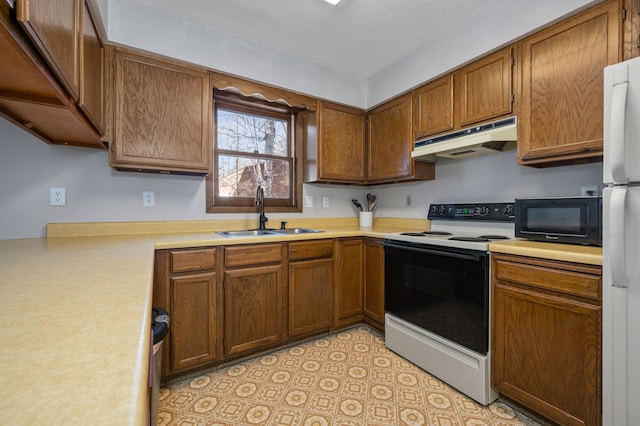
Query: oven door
442,290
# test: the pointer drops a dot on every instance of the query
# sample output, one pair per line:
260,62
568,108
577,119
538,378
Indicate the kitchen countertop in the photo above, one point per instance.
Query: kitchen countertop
75,310
568,252
75,315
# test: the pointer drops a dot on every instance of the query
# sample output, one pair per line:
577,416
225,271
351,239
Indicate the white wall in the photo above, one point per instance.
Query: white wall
488,178
97,193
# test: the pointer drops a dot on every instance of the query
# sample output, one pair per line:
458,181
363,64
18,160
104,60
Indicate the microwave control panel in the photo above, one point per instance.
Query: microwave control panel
496,212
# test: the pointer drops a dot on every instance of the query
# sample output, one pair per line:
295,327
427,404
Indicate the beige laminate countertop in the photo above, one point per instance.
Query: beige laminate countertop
554,251
75,312
75,315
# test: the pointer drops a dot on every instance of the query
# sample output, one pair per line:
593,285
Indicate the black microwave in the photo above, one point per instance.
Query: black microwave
570,220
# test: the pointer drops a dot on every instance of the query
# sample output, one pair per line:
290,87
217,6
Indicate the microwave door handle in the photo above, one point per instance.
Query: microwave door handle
617,129
617,255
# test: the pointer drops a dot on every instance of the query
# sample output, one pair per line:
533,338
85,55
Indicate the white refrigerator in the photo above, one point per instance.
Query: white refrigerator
621,246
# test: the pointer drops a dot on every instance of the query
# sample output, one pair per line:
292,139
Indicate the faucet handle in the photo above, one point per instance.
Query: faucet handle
283,225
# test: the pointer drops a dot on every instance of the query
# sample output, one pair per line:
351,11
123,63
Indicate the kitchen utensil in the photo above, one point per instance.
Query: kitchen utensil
357,204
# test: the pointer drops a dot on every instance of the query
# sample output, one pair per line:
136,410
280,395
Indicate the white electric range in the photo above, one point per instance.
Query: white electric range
437,293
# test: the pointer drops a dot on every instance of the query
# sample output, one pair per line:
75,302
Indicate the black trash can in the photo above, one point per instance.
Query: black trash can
160,329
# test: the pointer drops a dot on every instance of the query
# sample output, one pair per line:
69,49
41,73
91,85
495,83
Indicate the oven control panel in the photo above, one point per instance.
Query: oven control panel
496,212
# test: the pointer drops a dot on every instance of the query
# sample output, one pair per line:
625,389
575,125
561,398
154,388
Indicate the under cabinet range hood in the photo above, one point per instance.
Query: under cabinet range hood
496,136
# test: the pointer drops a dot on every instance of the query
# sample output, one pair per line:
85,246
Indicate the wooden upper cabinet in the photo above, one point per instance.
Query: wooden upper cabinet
30,94
433,111
162,115
561,98
91,99
484,88
53,26
631,41
391,141
341,143
479,92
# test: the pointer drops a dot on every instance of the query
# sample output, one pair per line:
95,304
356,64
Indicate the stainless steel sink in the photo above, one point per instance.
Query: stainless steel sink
259,232
297,231
247,233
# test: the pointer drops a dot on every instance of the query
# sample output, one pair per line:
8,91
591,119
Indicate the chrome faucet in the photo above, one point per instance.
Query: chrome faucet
259,201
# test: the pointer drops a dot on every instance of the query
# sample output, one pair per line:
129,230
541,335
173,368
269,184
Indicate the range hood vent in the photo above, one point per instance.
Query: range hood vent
487,138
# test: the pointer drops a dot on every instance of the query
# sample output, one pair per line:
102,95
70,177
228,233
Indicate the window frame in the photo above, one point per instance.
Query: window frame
255,106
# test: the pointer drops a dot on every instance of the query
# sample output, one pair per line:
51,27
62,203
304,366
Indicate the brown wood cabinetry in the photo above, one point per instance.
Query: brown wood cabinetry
631,38
53,26
254,298
561,87
310,287
91,98
479,92
547,337
30,93
162,115
348,301
341,144
185,284
374,282
434,107
390,142
484,89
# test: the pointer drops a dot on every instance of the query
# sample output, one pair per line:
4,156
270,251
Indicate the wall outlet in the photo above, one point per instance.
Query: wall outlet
57,197
148,199
308,201
589,190
325,202
409,201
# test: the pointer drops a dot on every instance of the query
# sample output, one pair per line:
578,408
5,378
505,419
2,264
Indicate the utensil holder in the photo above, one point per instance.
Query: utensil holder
366,219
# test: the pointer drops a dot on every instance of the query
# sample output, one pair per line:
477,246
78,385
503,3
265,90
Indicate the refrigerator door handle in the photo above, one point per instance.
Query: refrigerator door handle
618,125
616,236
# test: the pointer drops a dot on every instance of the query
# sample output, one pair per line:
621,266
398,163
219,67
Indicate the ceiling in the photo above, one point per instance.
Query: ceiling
358,37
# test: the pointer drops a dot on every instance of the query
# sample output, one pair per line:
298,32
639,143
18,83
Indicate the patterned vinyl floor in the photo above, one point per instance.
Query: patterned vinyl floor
349,378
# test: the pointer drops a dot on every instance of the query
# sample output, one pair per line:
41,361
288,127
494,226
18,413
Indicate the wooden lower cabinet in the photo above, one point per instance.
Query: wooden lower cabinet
254,298
310,287
374,282
186,285
547,330
348,300
193,320
228,302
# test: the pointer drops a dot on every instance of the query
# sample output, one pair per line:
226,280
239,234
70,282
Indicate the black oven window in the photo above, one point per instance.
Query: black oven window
445,295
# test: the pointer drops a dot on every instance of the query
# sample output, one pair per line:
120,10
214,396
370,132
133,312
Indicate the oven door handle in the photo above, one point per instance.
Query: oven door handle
435,252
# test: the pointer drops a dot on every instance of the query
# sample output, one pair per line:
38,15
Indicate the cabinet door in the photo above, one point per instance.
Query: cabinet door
341,139
253,308
561,114
310,296
193,319
434,107
350,283
391,140
484,89
374,280
53,27
162,116
547,354
91,70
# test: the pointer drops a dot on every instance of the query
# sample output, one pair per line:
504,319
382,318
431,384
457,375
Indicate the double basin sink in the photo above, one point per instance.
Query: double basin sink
260,232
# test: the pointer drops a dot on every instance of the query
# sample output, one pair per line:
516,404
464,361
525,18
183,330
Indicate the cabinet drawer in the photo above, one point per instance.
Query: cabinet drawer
252,254
578,283
193,260
310,249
